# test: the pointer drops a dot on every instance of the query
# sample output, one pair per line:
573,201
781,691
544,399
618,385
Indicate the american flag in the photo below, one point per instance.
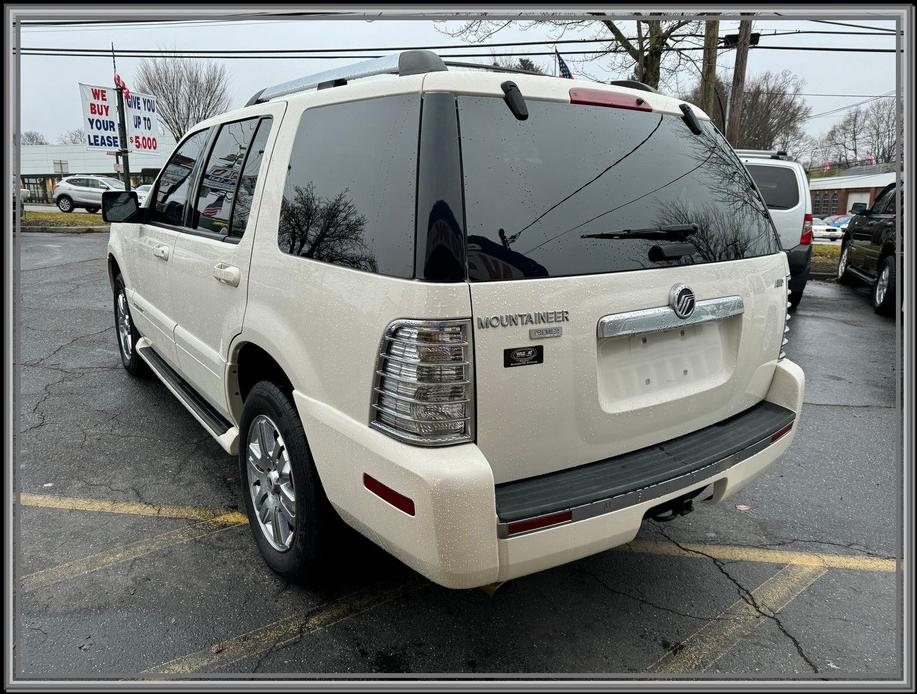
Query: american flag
123,87
214,208
564,70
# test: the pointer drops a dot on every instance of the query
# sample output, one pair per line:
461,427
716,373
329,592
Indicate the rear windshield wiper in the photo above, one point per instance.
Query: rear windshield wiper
675,232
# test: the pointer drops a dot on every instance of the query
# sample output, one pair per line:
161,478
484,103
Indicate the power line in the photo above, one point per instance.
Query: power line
849,106
855,26
235,54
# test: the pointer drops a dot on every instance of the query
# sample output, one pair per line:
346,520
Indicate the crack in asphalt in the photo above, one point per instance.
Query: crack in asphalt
644,601
72,262
40,362
853,546
746,595
846,406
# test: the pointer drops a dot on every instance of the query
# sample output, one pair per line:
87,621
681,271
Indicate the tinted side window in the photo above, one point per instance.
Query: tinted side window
248,179
172,189
886,203
778,186
350,189
221,175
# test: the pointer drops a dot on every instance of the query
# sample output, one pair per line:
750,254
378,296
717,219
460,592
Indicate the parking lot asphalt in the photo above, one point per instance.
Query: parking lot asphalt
135,561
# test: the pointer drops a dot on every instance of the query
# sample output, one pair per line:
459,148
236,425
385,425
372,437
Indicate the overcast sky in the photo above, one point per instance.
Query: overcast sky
51,103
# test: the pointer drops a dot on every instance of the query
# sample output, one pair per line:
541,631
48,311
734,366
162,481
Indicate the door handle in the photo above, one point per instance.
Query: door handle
227,274
161,251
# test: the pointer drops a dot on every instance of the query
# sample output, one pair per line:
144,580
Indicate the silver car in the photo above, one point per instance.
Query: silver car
83,191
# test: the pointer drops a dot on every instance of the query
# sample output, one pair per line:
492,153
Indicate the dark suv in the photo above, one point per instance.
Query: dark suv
868,251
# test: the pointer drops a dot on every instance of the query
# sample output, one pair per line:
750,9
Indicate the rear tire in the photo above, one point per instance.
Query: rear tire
92,210
883,291
65,203
290,517
843,266
126,333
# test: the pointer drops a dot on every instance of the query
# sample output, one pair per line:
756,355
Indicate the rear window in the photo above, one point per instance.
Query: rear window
778,185
549,196
351,183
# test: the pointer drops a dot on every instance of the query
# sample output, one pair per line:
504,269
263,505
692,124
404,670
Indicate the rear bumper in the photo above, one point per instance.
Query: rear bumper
800,259
452,537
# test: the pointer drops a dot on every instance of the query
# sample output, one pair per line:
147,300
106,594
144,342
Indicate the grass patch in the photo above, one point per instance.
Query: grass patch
825,258
62,219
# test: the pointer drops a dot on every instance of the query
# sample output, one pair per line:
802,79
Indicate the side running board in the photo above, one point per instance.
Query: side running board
215,423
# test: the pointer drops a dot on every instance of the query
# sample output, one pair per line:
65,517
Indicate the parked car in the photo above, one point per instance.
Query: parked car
785,188
142,192
83,191
822,230
868,252
491,349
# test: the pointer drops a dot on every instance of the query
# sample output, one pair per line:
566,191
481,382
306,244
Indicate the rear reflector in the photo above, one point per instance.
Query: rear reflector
599,97
399,501
782,432
540,522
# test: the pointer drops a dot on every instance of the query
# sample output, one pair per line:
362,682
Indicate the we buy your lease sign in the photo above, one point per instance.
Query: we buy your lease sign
100,120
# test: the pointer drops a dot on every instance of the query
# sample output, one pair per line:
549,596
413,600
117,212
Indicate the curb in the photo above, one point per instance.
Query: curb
63,230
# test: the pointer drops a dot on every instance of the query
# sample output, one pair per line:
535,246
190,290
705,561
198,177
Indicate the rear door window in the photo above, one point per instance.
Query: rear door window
243,204
351,185
778,185
576,190
175,181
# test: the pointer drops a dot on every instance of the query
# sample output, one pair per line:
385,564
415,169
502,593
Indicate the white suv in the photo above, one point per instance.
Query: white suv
83,191
490,323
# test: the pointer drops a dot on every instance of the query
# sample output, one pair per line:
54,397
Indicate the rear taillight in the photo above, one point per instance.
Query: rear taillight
786,320
806,238
424,385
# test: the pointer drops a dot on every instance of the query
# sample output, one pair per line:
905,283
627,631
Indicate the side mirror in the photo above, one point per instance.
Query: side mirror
859,208
120,206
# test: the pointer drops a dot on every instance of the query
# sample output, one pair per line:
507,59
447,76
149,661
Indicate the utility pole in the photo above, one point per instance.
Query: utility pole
737,94
708,67
122,127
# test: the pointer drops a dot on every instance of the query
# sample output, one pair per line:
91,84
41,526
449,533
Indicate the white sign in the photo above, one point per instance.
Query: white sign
100,120
100,117
142,123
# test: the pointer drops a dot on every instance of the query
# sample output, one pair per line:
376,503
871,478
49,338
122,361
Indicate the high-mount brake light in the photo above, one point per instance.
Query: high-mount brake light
423,392
600,97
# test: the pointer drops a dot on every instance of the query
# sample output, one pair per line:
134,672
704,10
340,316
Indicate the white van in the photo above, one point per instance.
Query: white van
785,187
490,321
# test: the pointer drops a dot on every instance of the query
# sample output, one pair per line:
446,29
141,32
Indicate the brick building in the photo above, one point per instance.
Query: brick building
837,194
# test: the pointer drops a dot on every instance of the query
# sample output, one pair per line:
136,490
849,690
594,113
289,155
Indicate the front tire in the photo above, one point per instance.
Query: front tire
126,332
290,517
65,204
883,291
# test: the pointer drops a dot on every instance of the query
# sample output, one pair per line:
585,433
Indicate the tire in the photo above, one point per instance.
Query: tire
294,503
843,266
883,291
92,210
65,203
126,333
795,298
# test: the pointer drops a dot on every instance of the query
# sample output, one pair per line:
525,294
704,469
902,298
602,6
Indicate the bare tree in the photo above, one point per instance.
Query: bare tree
187,91
882,129
773,112
72,137
520,64
32,137
644,55
846,140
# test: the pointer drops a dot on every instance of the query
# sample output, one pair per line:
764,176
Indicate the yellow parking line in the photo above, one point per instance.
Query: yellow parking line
764,556
81,567
285,631
707,645
101,506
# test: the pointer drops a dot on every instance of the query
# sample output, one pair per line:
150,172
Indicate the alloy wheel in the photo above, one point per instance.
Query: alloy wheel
842,263
882,285
270,483
125,335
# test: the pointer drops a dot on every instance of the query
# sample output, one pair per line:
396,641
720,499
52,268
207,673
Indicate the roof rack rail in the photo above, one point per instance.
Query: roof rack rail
763,153
491,68
634,84
404,63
